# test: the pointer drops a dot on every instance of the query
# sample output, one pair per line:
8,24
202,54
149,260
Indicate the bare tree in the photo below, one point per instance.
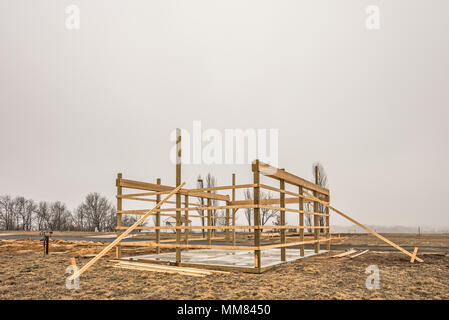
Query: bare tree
129,219
265,214
277,221
308,217
59,218
200,185
42,215
320,177
211,182
24,212
96,213
248,211
7,212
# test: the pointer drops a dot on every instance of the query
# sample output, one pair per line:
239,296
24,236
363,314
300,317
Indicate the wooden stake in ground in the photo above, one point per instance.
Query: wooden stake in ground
124,234
412,260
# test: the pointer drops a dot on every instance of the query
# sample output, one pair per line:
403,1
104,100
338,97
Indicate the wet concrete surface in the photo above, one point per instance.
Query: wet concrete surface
232,258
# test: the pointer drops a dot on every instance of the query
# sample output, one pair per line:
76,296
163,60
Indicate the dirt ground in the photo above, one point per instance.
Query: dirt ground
25,273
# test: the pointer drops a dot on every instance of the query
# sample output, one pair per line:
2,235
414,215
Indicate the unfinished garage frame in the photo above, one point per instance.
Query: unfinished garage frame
181,210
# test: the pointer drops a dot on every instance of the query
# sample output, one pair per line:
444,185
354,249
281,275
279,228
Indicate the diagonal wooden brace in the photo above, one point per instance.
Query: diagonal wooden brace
124,234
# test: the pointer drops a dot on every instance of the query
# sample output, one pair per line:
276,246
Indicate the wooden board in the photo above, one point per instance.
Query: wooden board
124,234
132,184
391,243
278,174
358,254
344,254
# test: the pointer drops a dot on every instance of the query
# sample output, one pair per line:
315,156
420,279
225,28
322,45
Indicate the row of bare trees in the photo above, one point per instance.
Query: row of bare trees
96,213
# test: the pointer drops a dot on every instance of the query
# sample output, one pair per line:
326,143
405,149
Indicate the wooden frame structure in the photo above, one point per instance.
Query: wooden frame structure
307,192
181,210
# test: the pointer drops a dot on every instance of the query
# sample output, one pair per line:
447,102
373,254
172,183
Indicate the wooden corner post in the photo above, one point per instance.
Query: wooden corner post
282,213
316,221
257,253
328,229
227,223
178,194
233,210
118,249
158,222
301,221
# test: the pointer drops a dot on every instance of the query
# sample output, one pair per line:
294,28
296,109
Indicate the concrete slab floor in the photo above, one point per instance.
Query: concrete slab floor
232,258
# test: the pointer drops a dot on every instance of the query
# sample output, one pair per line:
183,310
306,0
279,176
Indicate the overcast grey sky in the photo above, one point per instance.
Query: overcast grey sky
78,106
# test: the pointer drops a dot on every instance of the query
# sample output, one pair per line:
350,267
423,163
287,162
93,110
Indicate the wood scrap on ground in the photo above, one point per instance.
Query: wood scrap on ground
165,269
358,254
346,253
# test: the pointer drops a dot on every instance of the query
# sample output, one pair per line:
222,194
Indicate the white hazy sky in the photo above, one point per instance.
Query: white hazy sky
76,107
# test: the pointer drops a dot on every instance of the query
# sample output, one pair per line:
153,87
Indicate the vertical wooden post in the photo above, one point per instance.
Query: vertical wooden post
118,249
257,253
328,230
209,222
178,194
186,221
233,210
158,221
282,213
316,221
227,223
301,222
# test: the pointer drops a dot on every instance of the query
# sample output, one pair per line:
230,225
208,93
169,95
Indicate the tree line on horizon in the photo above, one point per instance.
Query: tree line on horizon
95,213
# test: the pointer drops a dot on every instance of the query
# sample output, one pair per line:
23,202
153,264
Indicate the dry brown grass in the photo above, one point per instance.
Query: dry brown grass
26,274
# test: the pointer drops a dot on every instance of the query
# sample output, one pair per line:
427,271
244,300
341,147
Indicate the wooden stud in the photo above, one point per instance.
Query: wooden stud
301,222
233,210
227,224
118,249
186,217
316,221
158,221
178,195
328,234
209,222
256,197
282,213
123,235
412,260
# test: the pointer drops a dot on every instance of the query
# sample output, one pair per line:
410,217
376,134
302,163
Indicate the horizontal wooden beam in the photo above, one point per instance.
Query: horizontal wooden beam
132,184
264,186
265,201
142,212
226,247
222,227
239,186
278,174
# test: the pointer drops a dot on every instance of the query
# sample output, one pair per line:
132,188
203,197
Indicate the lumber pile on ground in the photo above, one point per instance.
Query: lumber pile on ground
165,269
